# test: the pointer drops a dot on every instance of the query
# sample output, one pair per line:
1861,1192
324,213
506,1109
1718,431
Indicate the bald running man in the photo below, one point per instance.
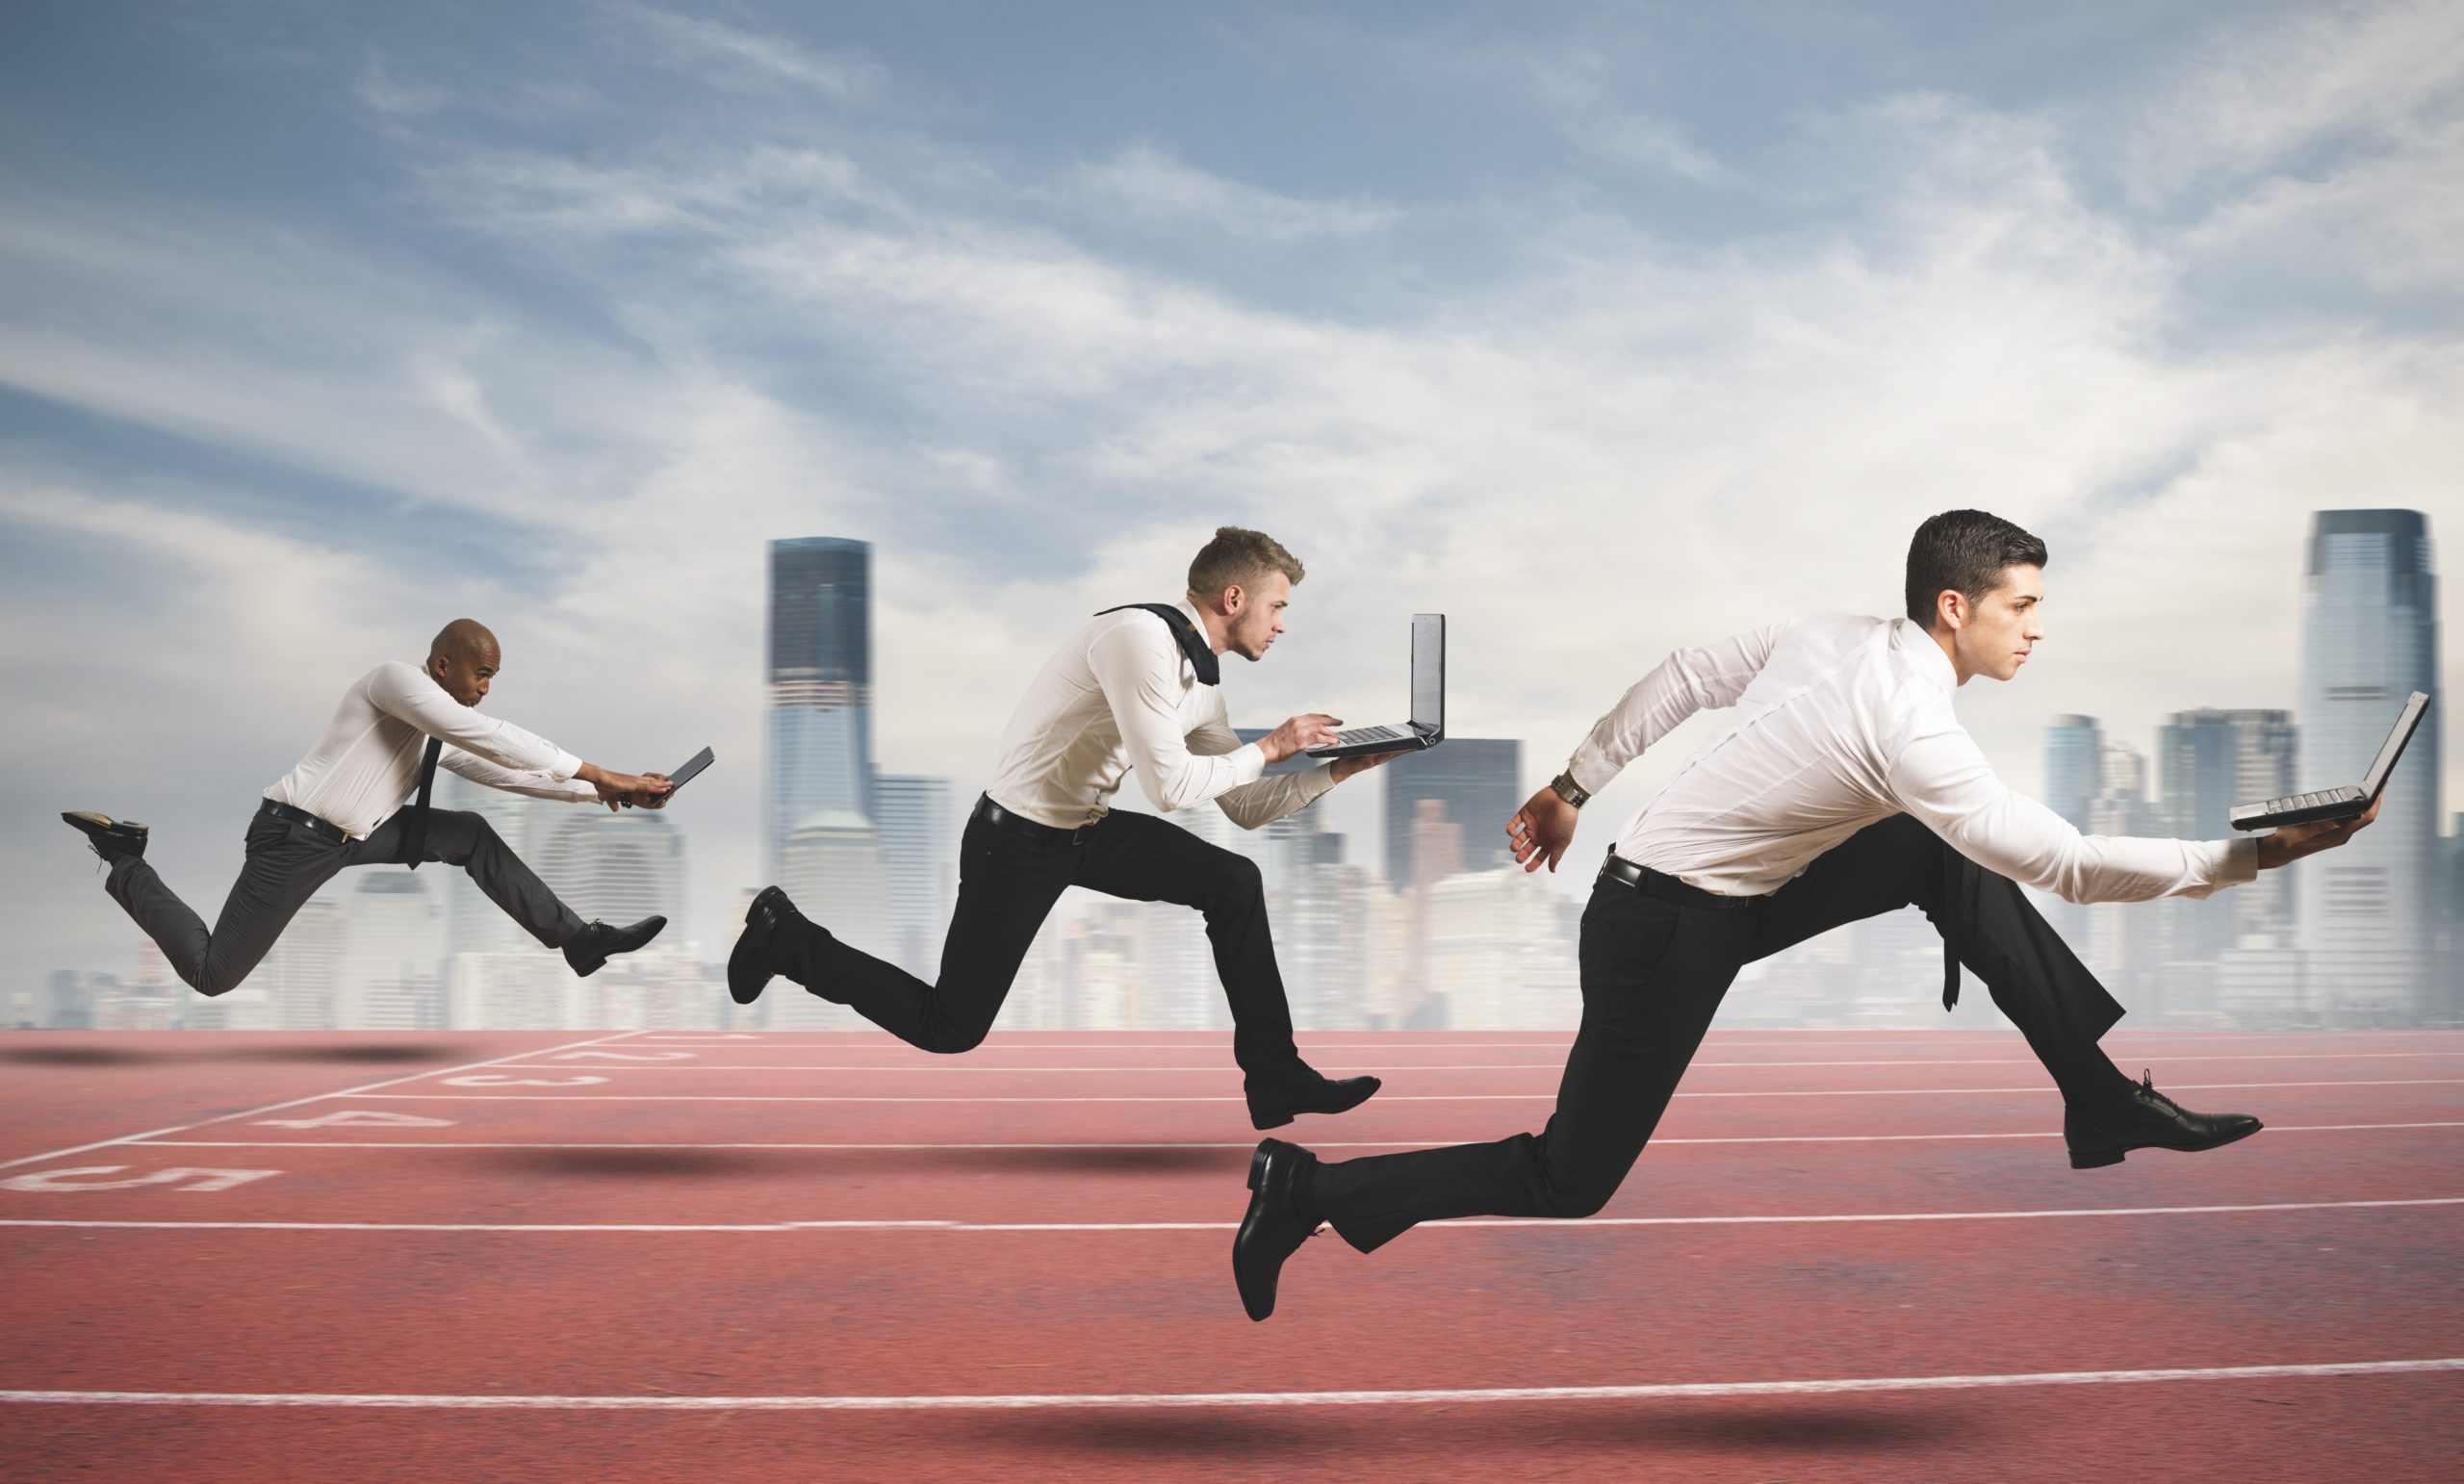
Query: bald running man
345,804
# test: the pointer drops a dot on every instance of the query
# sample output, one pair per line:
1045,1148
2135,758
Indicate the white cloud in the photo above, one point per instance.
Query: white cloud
734,59
1148,184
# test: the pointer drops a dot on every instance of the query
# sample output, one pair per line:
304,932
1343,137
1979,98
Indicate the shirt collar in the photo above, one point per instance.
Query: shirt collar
1924,654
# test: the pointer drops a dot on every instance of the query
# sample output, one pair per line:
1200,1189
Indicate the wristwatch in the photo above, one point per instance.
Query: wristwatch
1564,786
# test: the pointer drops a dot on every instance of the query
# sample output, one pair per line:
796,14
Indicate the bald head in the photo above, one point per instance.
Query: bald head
463,658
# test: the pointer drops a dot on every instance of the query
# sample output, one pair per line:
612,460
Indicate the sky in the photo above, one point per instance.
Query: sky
1603,329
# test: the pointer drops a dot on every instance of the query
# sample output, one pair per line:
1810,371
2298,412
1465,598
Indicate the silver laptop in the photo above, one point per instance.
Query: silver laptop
1427,725
2349,802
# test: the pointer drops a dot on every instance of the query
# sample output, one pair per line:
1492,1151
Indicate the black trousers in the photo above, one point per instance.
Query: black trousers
287,862
1008,884
1654,972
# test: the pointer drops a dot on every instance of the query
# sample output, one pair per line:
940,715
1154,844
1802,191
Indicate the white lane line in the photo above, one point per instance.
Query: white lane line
947,1065
1675,1391
1585,1223
364,1089
873,1040
1388,1097
1381,1143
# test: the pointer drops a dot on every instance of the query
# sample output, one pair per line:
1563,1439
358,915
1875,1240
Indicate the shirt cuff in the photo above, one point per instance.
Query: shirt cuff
1590,770
1248,762
2241,862
564,767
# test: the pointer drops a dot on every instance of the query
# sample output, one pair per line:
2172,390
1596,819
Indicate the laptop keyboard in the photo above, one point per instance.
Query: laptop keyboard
1360,734
2291,802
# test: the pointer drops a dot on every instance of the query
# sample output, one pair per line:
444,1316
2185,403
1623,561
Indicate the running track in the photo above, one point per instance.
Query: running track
676,1254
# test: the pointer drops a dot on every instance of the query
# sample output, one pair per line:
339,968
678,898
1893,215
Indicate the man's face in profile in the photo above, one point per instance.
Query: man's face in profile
2003,626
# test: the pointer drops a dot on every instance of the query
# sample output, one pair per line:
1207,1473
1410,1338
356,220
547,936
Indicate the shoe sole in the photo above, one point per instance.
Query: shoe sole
600,962
2104,1157
750,913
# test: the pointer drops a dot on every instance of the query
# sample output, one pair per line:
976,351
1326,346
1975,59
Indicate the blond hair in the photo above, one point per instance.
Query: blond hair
1238,557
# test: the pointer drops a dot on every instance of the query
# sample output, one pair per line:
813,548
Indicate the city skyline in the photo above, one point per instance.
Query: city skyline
1476,943
1602,330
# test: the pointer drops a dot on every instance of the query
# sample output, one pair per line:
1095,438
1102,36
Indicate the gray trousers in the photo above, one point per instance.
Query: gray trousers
288,863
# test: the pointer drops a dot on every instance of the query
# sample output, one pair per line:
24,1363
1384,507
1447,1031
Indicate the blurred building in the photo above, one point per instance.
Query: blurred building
1478,784
2208,761
833,873
2369,909
919,859
820,677
392,959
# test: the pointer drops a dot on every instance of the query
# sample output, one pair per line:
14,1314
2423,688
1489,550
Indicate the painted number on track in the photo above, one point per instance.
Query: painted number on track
180,1179
358,1119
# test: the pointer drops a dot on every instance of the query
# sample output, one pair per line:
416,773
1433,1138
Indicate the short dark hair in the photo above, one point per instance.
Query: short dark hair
1237,557
1964,552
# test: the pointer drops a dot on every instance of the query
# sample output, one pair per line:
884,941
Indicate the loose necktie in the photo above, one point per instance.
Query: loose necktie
415,831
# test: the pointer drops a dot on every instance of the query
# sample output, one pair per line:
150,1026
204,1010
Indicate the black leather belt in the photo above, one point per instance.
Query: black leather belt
1000,818
322,828
1666,888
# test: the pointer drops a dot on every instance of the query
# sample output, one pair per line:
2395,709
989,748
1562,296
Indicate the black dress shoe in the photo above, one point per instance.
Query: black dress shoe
594,945
111,838
749,967
2147,1119
1272,1230
1274,1104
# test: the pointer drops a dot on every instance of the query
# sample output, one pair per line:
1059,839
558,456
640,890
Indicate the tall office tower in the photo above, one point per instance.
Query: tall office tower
1322,935
616,868
298,987
920,857
392,952
1499,952
833,872
821,687
2447,1008
1481,782
2370,637
2207,762
473,924
2123,944
2074,758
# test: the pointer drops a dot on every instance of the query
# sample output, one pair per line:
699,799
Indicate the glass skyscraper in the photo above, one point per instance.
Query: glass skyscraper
2074,749
919,854
821,687
1478,780
2369,908
2207,762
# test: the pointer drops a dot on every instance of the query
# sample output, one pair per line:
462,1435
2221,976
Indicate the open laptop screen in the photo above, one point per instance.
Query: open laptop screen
2394,749
1429,670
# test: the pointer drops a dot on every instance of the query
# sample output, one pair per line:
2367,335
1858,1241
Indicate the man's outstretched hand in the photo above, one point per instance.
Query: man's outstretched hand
1540,830
2281,847
631,790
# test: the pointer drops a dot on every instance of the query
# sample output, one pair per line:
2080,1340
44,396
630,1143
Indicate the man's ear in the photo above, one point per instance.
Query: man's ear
1234,596
1950,606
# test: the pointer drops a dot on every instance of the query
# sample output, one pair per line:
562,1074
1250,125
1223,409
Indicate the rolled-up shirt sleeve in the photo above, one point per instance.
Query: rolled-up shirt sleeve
1255,806
1702,679
1940,777
533,781
407,694
1139,666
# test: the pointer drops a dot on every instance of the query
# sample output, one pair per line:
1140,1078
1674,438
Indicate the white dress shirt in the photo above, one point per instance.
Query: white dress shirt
1839,722
1121,694
368,762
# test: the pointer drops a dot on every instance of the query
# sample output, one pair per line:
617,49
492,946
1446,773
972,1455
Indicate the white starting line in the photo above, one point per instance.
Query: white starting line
1682,1390
1470,1224
1166,1143
1386,1098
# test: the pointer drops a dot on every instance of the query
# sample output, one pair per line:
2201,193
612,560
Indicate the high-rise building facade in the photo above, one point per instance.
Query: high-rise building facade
2369,908
393,951
820,675
2207,762
2074,755
919,857
1478,780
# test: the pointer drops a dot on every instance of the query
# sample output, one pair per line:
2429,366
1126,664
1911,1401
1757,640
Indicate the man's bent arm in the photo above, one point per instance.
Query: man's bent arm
1704,678
406,694
532,781
1943,779
1141,680
1255,806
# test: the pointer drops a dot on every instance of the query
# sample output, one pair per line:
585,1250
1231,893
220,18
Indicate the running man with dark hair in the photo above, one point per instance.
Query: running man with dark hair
1843,787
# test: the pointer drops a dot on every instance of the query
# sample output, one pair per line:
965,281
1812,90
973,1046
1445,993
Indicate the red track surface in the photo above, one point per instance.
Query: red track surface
696,1267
